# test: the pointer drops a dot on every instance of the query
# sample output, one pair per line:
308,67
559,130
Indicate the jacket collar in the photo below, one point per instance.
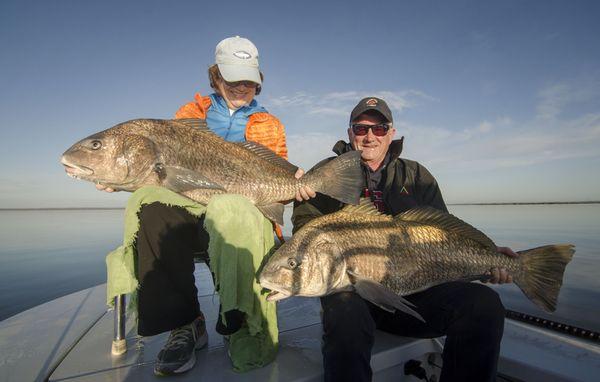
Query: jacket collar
220,105
395,148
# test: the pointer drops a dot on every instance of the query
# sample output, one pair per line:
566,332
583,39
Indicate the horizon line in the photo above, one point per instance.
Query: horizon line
448,204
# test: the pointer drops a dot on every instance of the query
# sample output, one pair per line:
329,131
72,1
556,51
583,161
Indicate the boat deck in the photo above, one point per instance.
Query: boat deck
298,359
69,339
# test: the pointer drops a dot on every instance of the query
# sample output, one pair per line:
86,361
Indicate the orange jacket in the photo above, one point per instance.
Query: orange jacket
262,128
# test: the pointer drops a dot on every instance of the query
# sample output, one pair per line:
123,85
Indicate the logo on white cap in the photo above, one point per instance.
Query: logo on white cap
242,54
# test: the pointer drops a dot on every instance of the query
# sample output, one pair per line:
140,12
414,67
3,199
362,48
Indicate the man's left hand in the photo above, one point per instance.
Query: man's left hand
500,275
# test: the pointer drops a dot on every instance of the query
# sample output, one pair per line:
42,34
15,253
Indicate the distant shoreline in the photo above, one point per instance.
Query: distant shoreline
450,204
521,203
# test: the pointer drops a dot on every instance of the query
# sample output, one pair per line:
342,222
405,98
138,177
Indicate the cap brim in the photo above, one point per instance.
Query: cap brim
233,73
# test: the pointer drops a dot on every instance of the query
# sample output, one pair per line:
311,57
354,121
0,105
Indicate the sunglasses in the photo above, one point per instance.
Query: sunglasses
378,130
248,84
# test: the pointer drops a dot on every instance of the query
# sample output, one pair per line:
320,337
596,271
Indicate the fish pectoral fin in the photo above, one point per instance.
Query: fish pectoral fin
273,212
180,179
381,296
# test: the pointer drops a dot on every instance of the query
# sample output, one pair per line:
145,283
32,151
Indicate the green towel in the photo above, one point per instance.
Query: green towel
240,237
120,263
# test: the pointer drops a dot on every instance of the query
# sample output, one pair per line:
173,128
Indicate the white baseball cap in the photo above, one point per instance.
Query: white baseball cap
237,59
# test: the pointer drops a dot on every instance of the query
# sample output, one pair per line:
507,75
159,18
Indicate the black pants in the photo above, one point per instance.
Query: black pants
168,240
470,315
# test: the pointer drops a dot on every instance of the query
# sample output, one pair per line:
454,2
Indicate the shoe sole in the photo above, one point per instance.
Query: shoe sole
200,343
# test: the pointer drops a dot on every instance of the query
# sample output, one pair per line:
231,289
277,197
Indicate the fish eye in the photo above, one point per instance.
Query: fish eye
96,144
292,263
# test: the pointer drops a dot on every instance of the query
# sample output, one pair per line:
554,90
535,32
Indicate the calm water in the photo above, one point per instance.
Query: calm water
48,254
523,227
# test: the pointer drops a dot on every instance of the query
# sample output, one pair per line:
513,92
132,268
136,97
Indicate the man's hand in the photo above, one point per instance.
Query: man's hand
104,188
500,275
305,192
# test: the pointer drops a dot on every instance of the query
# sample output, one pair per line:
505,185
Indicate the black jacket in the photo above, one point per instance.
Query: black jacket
407,184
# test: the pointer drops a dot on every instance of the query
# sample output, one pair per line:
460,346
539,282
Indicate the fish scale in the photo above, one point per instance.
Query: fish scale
383,258
186,157
234,171
452,257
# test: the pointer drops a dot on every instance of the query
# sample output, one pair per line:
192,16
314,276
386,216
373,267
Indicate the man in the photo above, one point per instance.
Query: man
470,315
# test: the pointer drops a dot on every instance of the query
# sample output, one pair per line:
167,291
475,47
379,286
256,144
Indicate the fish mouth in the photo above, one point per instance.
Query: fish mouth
75,170
276,293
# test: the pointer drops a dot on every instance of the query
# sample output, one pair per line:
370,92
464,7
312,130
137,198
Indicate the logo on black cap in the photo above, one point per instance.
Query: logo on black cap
371,102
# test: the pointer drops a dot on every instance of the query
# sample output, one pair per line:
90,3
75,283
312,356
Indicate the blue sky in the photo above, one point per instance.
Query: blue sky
500,100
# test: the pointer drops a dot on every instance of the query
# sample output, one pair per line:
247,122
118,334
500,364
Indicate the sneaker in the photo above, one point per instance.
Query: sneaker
178,356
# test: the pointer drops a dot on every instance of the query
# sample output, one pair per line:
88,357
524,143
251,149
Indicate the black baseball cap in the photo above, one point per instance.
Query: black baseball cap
372,103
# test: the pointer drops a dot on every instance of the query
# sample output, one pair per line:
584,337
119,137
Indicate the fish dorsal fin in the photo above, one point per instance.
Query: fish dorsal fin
196,123
446,221
268,155
364,207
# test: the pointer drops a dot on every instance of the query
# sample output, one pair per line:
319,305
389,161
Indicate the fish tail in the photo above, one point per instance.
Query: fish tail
341,178
542,273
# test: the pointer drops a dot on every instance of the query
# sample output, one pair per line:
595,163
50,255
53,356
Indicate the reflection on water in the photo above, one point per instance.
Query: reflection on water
47,254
